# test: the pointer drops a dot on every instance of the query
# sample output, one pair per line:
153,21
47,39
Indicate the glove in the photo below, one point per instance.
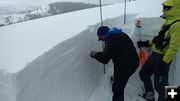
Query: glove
92,54
143,44
157,41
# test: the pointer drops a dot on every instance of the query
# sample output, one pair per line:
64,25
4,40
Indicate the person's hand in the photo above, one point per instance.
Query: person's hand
143,44
139,44
92,54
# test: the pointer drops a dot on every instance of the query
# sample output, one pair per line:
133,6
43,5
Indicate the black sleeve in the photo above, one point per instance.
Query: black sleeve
105,56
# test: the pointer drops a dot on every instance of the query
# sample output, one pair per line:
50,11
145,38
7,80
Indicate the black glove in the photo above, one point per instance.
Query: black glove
143,44
93,53
157,40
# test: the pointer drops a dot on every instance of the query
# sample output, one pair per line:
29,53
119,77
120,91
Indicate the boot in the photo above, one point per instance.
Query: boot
149,96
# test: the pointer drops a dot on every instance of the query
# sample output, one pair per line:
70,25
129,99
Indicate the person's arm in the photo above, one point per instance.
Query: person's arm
105,56
174,43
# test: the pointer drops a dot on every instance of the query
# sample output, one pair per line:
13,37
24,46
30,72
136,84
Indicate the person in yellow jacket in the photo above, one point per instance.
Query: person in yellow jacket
164,46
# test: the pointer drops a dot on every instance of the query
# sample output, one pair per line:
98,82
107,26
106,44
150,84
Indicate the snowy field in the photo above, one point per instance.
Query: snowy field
53,54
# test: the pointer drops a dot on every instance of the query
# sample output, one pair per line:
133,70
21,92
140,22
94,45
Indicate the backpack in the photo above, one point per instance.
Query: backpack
159,41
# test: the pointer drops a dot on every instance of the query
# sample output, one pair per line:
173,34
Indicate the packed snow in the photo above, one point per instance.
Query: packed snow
51,55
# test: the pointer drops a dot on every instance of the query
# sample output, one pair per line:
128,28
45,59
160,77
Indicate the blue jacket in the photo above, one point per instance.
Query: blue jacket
113,31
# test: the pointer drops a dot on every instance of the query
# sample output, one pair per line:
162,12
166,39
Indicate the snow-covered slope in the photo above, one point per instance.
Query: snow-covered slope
66,72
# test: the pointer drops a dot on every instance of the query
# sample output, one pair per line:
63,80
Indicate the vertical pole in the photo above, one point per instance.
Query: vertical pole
125,12
104,64
100,7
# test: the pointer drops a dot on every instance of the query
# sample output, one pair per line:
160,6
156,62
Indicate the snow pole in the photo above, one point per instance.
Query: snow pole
125,12
142,54
100,9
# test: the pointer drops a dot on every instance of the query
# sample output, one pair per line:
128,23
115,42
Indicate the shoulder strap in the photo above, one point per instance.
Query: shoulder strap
168,39
166,27
169,25
163,42
174,22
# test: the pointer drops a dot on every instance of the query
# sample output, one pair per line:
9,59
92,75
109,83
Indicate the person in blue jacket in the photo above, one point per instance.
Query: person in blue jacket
120,48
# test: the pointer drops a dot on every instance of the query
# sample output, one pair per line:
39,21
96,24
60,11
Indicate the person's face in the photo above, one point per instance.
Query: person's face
101,38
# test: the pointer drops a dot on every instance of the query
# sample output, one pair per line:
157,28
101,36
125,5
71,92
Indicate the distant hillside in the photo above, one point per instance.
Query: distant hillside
39,12
64,7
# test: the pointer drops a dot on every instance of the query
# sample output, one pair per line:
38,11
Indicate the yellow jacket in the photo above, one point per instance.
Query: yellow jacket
173,32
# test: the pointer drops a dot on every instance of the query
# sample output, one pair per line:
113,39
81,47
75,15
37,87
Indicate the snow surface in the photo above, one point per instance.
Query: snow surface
7,86
23,42
65,72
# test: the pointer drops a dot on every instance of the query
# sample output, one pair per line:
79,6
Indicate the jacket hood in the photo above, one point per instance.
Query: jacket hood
169,3
174,12
113,31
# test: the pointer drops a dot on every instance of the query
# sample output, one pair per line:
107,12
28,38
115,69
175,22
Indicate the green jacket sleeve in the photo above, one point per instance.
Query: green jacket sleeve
174,43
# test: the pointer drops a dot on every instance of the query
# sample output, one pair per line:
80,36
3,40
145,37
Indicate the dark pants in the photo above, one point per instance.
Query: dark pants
154,65
121,77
